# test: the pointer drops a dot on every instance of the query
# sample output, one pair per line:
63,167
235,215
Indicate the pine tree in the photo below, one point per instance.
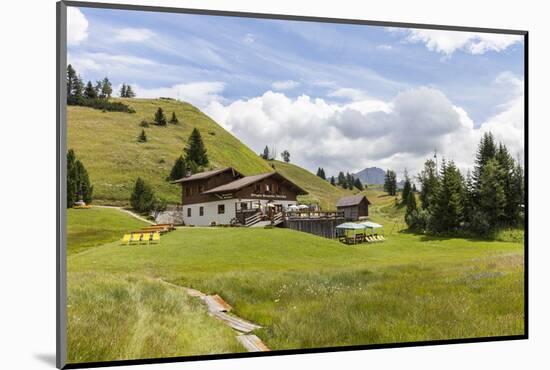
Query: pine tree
159,118
265,154
84,189
71,178
429,181
142,137
492,199
71,77
406,189
411,203
349,180
78,89
89,91
98,87
174,119
321,173
357,183
341,179
485,152
507,166
390,183
130,92
179,169
106,88
448,201
195,150
286,156
142,199
332,181
123,90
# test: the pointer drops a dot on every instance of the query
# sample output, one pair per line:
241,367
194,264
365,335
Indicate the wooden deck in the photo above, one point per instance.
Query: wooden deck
320,223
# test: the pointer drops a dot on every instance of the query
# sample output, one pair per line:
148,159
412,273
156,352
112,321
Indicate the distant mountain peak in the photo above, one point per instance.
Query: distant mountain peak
371,175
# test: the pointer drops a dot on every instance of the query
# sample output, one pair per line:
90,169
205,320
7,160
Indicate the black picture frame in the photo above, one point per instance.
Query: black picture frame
61,214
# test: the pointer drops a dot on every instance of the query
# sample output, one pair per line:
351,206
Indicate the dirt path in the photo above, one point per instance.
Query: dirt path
220,309
134,215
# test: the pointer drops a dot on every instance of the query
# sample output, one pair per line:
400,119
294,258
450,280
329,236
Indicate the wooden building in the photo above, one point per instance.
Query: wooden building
353,207
226,196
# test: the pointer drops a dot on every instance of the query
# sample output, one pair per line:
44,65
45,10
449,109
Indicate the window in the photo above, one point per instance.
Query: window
244,205
267,188
188,212
201,211
257,189
221,209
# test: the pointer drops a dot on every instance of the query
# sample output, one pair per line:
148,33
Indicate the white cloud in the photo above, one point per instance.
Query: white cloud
285,85
200,94
398,134
447,42
133,35
385,47
85,62
77,26
249,38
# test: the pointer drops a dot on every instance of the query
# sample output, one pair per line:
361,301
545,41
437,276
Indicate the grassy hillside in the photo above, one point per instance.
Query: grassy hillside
92,227
305,290
106,142
320,191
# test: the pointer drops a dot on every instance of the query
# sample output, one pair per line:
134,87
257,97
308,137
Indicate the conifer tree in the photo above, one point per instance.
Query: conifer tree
265,154
179,169
160,118
406,189
286,156
332,181
428,179
89,91
123,90
142,137
84,189
390,182
174,119
71,77
195,150
142,199
106,88
448,201
411,203
358,184
492,199
130,92
341,179
71,178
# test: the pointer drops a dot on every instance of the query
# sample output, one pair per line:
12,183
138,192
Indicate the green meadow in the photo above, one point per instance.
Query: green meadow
304,290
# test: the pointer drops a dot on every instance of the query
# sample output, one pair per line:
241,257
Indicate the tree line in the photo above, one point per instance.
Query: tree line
489,198
271,154
346,181
94,96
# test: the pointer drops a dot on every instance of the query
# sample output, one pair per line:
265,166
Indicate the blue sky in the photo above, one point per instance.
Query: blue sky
229,66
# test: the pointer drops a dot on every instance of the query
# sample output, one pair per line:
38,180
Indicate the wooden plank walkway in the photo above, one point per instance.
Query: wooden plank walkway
236,322
252,343
215,303
218,308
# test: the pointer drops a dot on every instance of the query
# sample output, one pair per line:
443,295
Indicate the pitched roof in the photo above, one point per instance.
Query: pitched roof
248,180
205,175
351,200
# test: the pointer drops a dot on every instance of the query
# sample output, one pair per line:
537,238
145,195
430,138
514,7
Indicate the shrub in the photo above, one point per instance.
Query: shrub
102,104
174,119
144,123
160,118
417,220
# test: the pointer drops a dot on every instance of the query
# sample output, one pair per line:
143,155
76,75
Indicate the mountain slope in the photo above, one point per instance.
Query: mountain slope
106,142
320,191
371,176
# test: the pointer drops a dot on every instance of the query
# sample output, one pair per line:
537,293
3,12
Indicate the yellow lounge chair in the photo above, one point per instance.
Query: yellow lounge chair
145,237
126,239
134,238
155,238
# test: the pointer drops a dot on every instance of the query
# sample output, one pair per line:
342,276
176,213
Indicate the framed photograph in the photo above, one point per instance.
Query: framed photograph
236,184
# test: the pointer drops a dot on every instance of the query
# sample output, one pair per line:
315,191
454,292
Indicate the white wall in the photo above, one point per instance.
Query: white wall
27,267
211,211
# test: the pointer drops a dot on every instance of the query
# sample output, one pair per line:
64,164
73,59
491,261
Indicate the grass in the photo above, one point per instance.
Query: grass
309,291
106,142
320,191
95,226
114,317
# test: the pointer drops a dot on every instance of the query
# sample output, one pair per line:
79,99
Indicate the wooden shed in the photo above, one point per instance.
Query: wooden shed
353,207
